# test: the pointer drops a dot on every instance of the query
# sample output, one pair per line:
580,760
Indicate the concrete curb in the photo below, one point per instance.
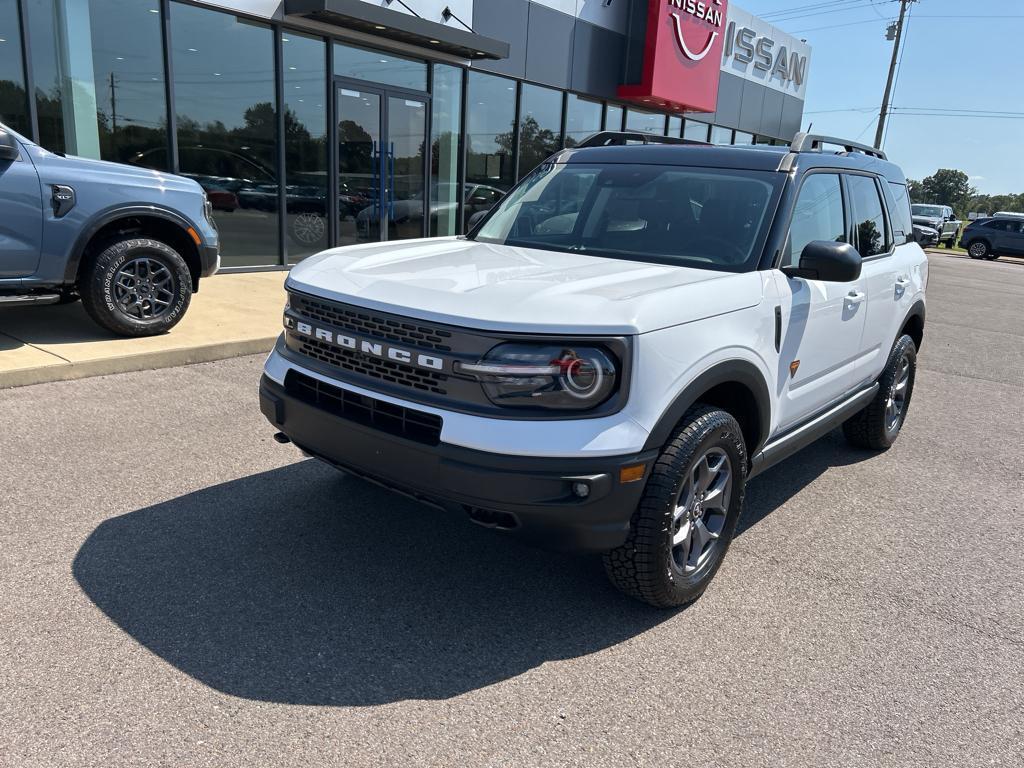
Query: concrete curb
167,358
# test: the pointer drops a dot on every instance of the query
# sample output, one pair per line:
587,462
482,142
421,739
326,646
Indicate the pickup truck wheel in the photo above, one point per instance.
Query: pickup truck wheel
137,287
686,517
978,250
951,242
878,425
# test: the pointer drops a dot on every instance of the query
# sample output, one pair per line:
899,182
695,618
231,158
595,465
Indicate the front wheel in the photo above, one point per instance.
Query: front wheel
137,287
879,424
685,521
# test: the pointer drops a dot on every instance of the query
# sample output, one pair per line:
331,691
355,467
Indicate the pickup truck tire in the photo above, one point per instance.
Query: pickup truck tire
137,287
878,425
686,518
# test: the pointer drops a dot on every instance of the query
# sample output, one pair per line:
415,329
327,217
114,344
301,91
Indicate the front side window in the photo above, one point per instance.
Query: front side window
868,216
817,215
934,211
694,217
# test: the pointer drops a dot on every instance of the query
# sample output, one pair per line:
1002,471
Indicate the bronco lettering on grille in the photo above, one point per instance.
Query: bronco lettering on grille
363,346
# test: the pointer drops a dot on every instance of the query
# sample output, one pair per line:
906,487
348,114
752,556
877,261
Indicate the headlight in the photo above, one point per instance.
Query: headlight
208,210
545,376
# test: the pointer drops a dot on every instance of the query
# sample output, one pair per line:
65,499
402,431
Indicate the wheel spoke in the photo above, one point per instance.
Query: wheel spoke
704,475
682,536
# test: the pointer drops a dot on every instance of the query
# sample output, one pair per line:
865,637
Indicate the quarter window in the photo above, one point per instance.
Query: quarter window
868,215
902,223
818,215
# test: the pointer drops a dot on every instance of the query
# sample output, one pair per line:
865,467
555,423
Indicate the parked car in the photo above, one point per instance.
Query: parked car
131,243
941,218
1001,235
609,381
477,200
926,237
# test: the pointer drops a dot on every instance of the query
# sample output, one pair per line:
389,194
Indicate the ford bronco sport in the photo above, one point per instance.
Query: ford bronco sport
131,243
626,339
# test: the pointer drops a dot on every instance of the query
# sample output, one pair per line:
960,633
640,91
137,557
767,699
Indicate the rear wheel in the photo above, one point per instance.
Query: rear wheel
685,521
979,250
879,424
137,287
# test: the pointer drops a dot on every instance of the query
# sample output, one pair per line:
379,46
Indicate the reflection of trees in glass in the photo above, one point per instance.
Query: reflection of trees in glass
536,144
356,155
14,106
870,238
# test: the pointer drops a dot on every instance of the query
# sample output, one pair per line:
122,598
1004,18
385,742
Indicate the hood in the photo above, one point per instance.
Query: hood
504,288
61,169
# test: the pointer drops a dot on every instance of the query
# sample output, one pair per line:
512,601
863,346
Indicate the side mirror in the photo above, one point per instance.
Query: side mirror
8,147
828,261
475,219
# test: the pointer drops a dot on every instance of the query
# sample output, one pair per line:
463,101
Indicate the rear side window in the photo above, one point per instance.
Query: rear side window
902,223
818,215
868,216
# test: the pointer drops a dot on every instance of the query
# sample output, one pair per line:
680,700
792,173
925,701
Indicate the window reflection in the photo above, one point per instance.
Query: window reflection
613,118
227,126
540,126
13,98
695,130
445,122
582,119
379,67
490,130
305,144
645,122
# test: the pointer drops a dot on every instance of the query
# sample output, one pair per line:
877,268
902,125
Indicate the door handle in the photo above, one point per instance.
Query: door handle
856,297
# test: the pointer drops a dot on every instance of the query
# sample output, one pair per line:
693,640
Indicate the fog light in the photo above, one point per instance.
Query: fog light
581,489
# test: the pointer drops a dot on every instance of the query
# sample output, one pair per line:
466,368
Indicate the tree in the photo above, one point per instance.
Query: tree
947,187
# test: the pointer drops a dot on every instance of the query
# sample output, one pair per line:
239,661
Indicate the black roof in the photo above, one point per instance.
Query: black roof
760,157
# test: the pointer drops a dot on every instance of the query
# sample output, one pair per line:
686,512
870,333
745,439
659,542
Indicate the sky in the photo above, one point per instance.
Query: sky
957,55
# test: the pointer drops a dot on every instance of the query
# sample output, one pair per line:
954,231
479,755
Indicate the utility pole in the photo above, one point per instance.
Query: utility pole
884,112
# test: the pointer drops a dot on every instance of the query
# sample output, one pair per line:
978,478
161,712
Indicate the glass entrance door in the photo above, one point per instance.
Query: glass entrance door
381,165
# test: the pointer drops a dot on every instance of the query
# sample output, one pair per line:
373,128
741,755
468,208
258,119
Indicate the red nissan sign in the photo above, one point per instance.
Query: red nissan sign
682,55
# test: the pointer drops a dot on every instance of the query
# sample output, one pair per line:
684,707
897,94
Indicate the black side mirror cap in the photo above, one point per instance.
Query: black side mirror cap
828,261
8,147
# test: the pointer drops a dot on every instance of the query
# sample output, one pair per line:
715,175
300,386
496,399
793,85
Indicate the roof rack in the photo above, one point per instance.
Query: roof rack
812,142
620,138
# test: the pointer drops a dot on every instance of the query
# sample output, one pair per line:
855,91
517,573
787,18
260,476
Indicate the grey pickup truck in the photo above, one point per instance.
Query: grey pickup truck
940,218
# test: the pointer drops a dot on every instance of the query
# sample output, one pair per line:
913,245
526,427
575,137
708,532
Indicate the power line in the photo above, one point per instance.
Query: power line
815,9
899,64
887,93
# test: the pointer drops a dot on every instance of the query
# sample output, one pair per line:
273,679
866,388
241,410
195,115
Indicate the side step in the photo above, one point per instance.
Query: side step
23,300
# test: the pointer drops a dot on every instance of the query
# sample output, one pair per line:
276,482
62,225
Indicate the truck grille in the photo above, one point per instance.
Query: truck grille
368,323
387,417
385,370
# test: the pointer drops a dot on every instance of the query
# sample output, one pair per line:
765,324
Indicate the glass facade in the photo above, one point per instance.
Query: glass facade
225,100
540,126
582,119
13,94
304,97
301,140
445,149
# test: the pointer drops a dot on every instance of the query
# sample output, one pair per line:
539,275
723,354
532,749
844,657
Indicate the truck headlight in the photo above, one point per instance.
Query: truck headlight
208,211
559,377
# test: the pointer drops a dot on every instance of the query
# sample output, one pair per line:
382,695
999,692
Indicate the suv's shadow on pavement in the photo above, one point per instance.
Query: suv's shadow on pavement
302,586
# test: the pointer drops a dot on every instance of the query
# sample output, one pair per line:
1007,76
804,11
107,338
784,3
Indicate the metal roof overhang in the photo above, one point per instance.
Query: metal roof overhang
393,25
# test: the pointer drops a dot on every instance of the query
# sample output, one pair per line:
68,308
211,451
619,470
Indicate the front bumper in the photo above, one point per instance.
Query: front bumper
209,259
528,497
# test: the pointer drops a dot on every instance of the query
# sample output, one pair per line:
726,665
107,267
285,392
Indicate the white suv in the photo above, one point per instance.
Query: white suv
609,356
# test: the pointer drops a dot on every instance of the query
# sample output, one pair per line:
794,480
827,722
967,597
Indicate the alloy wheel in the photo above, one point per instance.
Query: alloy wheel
897,402
309,228
144,288
701,511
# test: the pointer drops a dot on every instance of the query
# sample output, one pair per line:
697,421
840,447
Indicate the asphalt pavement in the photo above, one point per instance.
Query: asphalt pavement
176,589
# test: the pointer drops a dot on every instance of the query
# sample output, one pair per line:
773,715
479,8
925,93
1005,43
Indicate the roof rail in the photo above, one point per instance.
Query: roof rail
811,142
619,138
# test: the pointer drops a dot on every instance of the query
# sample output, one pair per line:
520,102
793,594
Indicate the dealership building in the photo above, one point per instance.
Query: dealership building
330,122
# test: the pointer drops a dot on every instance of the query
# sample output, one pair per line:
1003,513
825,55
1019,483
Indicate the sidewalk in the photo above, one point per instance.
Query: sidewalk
232,315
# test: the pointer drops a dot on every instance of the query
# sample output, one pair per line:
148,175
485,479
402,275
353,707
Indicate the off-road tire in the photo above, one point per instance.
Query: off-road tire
979,249
951,242
869,428
97,287
643,567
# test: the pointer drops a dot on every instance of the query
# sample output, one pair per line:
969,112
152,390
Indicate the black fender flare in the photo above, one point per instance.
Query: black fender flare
108,215
917,310
726,372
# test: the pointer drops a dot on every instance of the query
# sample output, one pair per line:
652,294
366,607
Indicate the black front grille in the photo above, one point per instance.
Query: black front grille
387,370
367,323
396,420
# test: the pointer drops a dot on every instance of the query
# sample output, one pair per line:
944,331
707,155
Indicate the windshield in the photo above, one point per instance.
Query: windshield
694,217
927,210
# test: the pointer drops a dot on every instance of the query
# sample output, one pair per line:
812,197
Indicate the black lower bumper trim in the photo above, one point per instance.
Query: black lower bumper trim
531,497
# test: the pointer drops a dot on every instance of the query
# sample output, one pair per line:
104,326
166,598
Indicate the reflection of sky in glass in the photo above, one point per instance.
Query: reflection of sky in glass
222,65
492,105
11,68
305,81
583,117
